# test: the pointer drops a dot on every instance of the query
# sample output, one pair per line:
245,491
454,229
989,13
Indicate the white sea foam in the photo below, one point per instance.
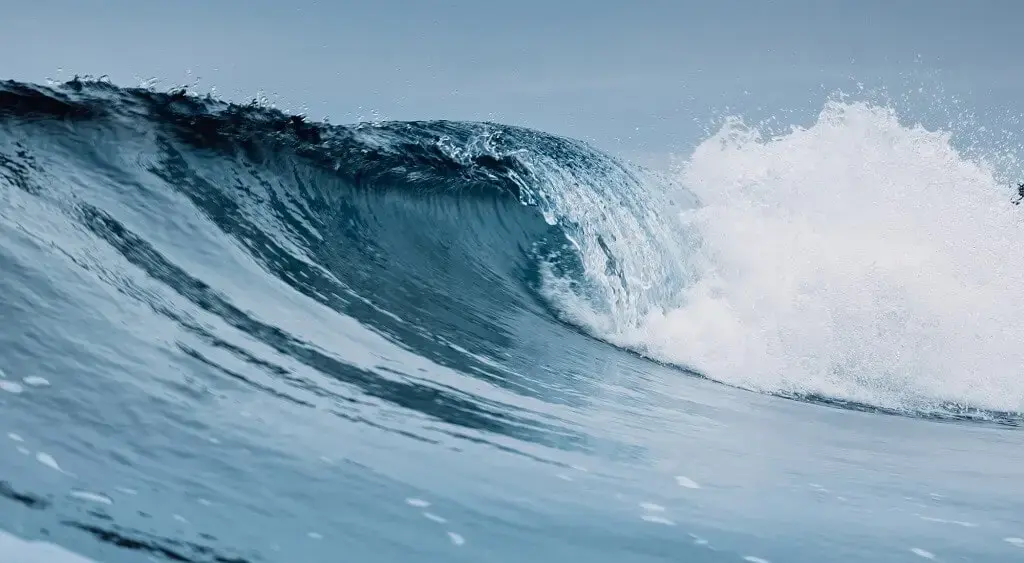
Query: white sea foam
36,381
92,497
48,460
656,519
858,258
435,518
11,387
456,539
922,553
686,482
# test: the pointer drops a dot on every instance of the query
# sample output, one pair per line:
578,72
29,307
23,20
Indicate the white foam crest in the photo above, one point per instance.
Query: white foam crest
858,258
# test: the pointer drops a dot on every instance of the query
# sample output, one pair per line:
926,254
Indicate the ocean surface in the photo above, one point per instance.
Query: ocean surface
229,334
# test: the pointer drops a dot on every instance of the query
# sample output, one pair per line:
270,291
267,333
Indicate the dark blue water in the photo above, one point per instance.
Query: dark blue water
229,335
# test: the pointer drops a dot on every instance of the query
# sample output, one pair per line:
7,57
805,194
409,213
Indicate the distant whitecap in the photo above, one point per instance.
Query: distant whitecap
15,437
656,519
434,517
752,559
92,497
36,381
953,522
1019,542
456,538
11,387
922,553
417,502
47,460
686,482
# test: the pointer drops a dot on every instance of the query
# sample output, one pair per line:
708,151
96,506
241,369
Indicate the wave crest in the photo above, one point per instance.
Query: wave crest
858,259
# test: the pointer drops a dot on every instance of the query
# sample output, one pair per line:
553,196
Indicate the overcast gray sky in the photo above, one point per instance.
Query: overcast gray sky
633,78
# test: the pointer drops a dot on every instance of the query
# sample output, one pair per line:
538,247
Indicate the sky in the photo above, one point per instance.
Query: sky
640,79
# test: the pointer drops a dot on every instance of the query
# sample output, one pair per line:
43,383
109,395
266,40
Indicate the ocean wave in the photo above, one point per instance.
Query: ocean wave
858,262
